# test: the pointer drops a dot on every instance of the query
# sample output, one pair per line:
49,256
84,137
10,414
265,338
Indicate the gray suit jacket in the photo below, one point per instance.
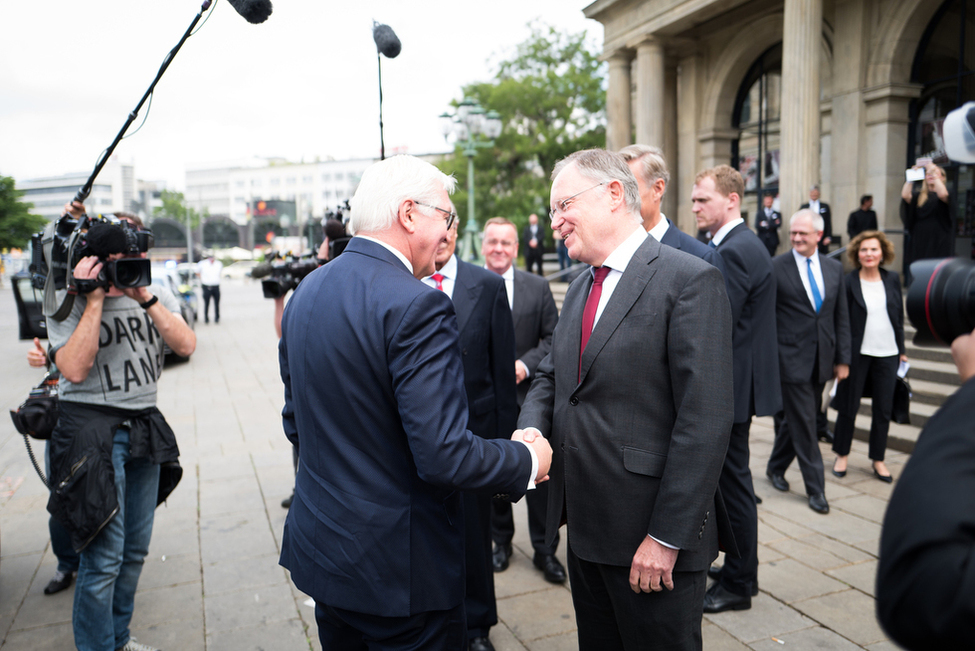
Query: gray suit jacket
534,314
808,339
638,442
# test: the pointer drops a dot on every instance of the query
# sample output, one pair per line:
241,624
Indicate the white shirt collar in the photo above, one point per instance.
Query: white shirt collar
660,229
391,250
620,257
724,230
449,270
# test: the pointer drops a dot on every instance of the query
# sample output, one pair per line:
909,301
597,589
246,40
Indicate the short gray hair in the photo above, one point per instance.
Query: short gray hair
387,184
815,217
653,166
603,166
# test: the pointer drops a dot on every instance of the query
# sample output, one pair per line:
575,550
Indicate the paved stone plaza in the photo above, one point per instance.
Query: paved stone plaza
212,581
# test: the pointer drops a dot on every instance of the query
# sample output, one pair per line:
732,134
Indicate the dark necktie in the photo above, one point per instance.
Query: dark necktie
712,244
817,297
589,313
438,278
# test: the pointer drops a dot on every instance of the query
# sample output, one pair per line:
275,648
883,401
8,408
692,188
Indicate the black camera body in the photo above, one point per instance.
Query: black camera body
941,300
283,274
58,248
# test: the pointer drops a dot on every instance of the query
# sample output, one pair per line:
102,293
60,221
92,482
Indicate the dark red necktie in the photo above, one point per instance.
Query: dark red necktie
589,313
438,278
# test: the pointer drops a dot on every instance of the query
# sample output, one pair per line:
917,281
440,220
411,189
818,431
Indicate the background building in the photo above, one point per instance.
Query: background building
843,93
115,189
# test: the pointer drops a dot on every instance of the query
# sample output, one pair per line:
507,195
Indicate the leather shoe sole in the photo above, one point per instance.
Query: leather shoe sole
481,644
550,567
778,482
718,600
500,557
818,503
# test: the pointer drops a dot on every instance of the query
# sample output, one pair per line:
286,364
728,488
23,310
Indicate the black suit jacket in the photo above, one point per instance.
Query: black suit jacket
859,221
767,228
638,442
526,236
925,575
487,349
375,402
807,338
678,239
827,216
535,315
751,291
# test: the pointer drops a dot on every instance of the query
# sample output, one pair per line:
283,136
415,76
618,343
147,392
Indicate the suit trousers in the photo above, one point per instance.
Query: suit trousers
346,630
482,611
738,575
797,437
503,521
611,617
882,373
534,258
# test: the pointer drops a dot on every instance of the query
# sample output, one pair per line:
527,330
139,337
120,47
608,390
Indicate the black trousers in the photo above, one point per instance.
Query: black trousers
208,292
503,521
611,617
882,374
533,257
739,574
346,630
482,611
797,437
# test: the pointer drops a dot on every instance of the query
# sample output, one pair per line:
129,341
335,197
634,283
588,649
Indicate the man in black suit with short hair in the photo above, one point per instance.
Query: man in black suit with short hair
535,315
716,200
767,223
814,345
821,209
533,239
863,219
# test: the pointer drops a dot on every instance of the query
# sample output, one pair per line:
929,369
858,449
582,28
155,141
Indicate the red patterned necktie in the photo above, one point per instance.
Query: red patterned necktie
589,313
438,278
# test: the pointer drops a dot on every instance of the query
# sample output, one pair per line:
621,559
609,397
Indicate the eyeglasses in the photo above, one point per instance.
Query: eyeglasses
450,216
562,206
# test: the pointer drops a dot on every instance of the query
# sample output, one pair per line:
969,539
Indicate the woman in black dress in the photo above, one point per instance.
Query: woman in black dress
926,215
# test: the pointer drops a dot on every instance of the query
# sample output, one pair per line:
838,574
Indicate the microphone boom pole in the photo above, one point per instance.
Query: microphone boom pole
85,190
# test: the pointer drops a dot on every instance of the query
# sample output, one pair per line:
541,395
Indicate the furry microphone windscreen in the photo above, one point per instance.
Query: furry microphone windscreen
253,11
105,239
386,40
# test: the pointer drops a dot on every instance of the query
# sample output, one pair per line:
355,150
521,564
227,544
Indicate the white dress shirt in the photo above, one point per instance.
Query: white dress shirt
724,230
617,262
449,273
660,229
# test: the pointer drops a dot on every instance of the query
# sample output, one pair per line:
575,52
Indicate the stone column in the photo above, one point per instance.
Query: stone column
669,144
801,43
650,93
618,100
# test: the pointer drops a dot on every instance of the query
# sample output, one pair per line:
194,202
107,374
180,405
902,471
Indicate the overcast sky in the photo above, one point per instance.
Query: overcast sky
302,84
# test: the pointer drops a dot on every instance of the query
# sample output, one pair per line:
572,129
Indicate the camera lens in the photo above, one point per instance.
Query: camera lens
941,300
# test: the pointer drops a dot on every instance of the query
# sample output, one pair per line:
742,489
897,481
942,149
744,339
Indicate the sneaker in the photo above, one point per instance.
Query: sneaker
61,581
132,645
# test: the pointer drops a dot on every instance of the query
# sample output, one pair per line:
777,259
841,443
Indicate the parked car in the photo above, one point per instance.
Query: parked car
169,278
240,269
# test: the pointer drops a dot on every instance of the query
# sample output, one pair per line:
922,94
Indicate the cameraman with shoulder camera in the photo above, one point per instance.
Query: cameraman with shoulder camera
111,441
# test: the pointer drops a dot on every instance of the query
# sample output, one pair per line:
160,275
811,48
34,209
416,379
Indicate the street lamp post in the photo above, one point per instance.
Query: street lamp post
468,125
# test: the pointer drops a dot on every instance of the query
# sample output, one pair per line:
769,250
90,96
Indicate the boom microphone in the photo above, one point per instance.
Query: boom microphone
386,41
254,11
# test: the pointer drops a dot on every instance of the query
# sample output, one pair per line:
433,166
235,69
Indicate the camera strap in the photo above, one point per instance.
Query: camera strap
51,308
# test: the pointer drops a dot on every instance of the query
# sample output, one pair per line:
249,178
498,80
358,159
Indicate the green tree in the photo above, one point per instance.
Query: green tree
16,222
552,100
174,206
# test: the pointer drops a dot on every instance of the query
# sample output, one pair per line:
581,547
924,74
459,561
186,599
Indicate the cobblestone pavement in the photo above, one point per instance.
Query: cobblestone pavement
212,581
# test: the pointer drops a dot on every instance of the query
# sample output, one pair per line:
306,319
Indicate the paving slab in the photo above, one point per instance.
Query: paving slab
240,574
767,616
289,634
862,576
249,607
790,581
810,638
849,613
538,614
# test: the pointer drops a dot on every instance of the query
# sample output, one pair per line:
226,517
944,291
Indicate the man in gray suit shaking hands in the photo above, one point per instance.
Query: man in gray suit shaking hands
636,398
813,330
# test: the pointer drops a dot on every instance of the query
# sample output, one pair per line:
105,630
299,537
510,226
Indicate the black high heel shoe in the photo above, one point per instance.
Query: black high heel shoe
887,479
838,473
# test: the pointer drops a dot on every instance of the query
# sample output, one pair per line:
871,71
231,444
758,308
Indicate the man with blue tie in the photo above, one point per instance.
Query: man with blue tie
375,533
814,346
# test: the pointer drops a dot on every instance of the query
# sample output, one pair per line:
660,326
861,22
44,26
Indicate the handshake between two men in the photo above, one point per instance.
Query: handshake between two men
543,451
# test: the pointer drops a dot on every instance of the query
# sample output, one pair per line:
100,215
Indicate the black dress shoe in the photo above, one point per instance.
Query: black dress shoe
758,500
826,437
481,644
550,567
818,503
286,502
884,478
779,482
715,573
59,582
718,600
500,558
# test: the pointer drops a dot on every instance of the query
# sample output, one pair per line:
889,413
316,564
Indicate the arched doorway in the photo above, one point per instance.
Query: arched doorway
945,65
756,116
168,234
220,233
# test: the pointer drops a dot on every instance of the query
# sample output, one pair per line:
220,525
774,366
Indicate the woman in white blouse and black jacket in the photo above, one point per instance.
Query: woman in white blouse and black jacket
877,330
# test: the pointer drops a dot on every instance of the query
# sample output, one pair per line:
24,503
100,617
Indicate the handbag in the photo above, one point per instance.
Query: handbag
38,415
901,413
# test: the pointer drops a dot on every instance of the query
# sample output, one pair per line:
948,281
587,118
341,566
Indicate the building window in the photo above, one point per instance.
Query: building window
758,110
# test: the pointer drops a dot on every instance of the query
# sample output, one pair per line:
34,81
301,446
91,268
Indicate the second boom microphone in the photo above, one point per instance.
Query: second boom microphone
253,11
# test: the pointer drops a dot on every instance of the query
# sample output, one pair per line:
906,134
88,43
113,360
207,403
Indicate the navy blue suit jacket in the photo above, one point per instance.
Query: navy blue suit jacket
678,239
374,398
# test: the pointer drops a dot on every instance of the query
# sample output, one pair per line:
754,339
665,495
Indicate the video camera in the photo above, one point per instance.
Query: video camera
941,298
281,273
57,249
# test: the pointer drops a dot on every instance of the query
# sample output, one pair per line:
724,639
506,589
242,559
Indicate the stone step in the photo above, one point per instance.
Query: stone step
930,393
939,372
920,412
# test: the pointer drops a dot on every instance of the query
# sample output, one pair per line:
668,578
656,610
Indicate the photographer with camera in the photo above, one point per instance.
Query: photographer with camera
111,441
